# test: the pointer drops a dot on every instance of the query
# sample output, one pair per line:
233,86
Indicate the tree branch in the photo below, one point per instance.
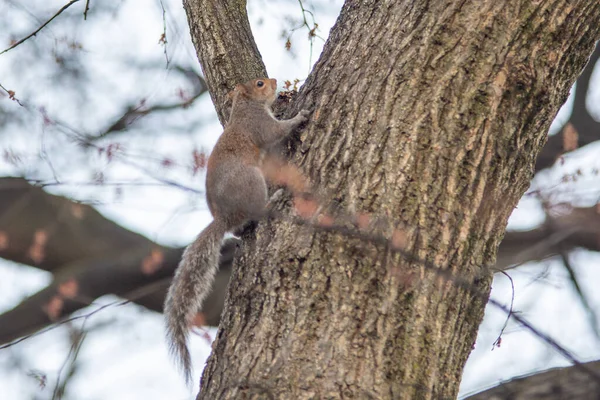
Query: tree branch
134,112
560,383
41,27
84,249
587,128
225,46
577,228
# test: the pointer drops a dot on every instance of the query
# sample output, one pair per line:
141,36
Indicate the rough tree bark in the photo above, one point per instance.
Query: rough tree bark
221,33
427,113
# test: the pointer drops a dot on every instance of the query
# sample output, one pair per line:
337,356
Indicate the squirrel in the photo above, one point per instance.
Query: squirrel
236,193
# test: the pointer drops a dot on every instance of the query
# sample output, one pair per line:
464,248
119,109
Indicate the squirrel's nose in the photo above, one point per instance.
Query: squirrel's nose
273,83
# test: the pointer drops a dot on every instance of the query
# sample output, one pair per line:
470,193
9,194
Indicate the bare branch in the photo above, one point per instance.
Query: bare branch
41,27
87,8
163,38
498,340
591,313
79,240
559,383
11,95
577,228
582,121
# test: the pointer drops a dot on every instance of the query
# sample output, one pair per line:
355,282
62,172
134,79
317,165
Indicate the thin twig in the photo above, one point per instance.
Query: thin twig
78,337
87,8
163,39
512,302
133,113
44,155
584,302
84,141
312,31
11,95
159,178
43,183
41,27
131,296
553,343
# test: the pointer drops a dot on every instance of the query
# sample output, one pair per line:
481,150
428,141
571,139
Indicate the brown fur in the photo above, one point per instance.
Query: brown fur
236,193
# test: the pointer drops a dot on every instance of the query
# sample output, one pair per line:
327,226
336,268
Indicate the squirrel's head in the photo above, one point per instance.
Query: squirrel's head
263,90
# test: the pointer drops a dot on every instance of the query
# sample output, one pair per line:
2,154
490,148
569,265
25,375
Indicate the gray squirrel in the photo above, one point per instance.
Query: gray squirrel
236,193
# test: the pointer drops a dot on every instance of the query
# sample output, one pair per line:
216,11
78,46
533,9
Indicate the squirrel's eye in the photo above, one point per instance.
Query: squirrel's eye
260,83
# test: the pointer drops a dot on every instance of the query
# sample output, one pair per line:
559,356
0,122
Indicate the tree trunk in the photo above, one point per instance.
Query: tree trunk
429,114
221,33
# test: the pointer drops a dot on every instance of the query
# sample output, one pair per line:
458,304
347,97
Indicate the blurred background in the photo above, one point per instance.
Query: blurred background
105,125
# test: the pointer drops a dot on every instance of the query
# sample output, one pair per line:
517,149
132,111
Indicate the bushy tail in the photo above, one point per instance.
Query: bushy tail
192,282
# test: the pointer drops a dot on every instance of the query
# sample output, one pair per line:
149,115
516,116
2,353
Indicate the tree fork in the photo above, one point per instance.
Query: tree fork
430,114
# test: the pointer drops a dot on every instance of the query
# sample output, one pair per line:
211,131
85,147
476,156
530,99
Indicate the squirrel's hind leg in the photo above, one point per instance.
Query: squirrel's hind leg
245,199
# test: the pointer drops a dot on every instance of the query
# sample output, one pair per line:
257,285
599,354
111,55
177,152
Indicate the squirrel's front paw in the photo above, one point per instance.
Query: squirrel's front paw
304,114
